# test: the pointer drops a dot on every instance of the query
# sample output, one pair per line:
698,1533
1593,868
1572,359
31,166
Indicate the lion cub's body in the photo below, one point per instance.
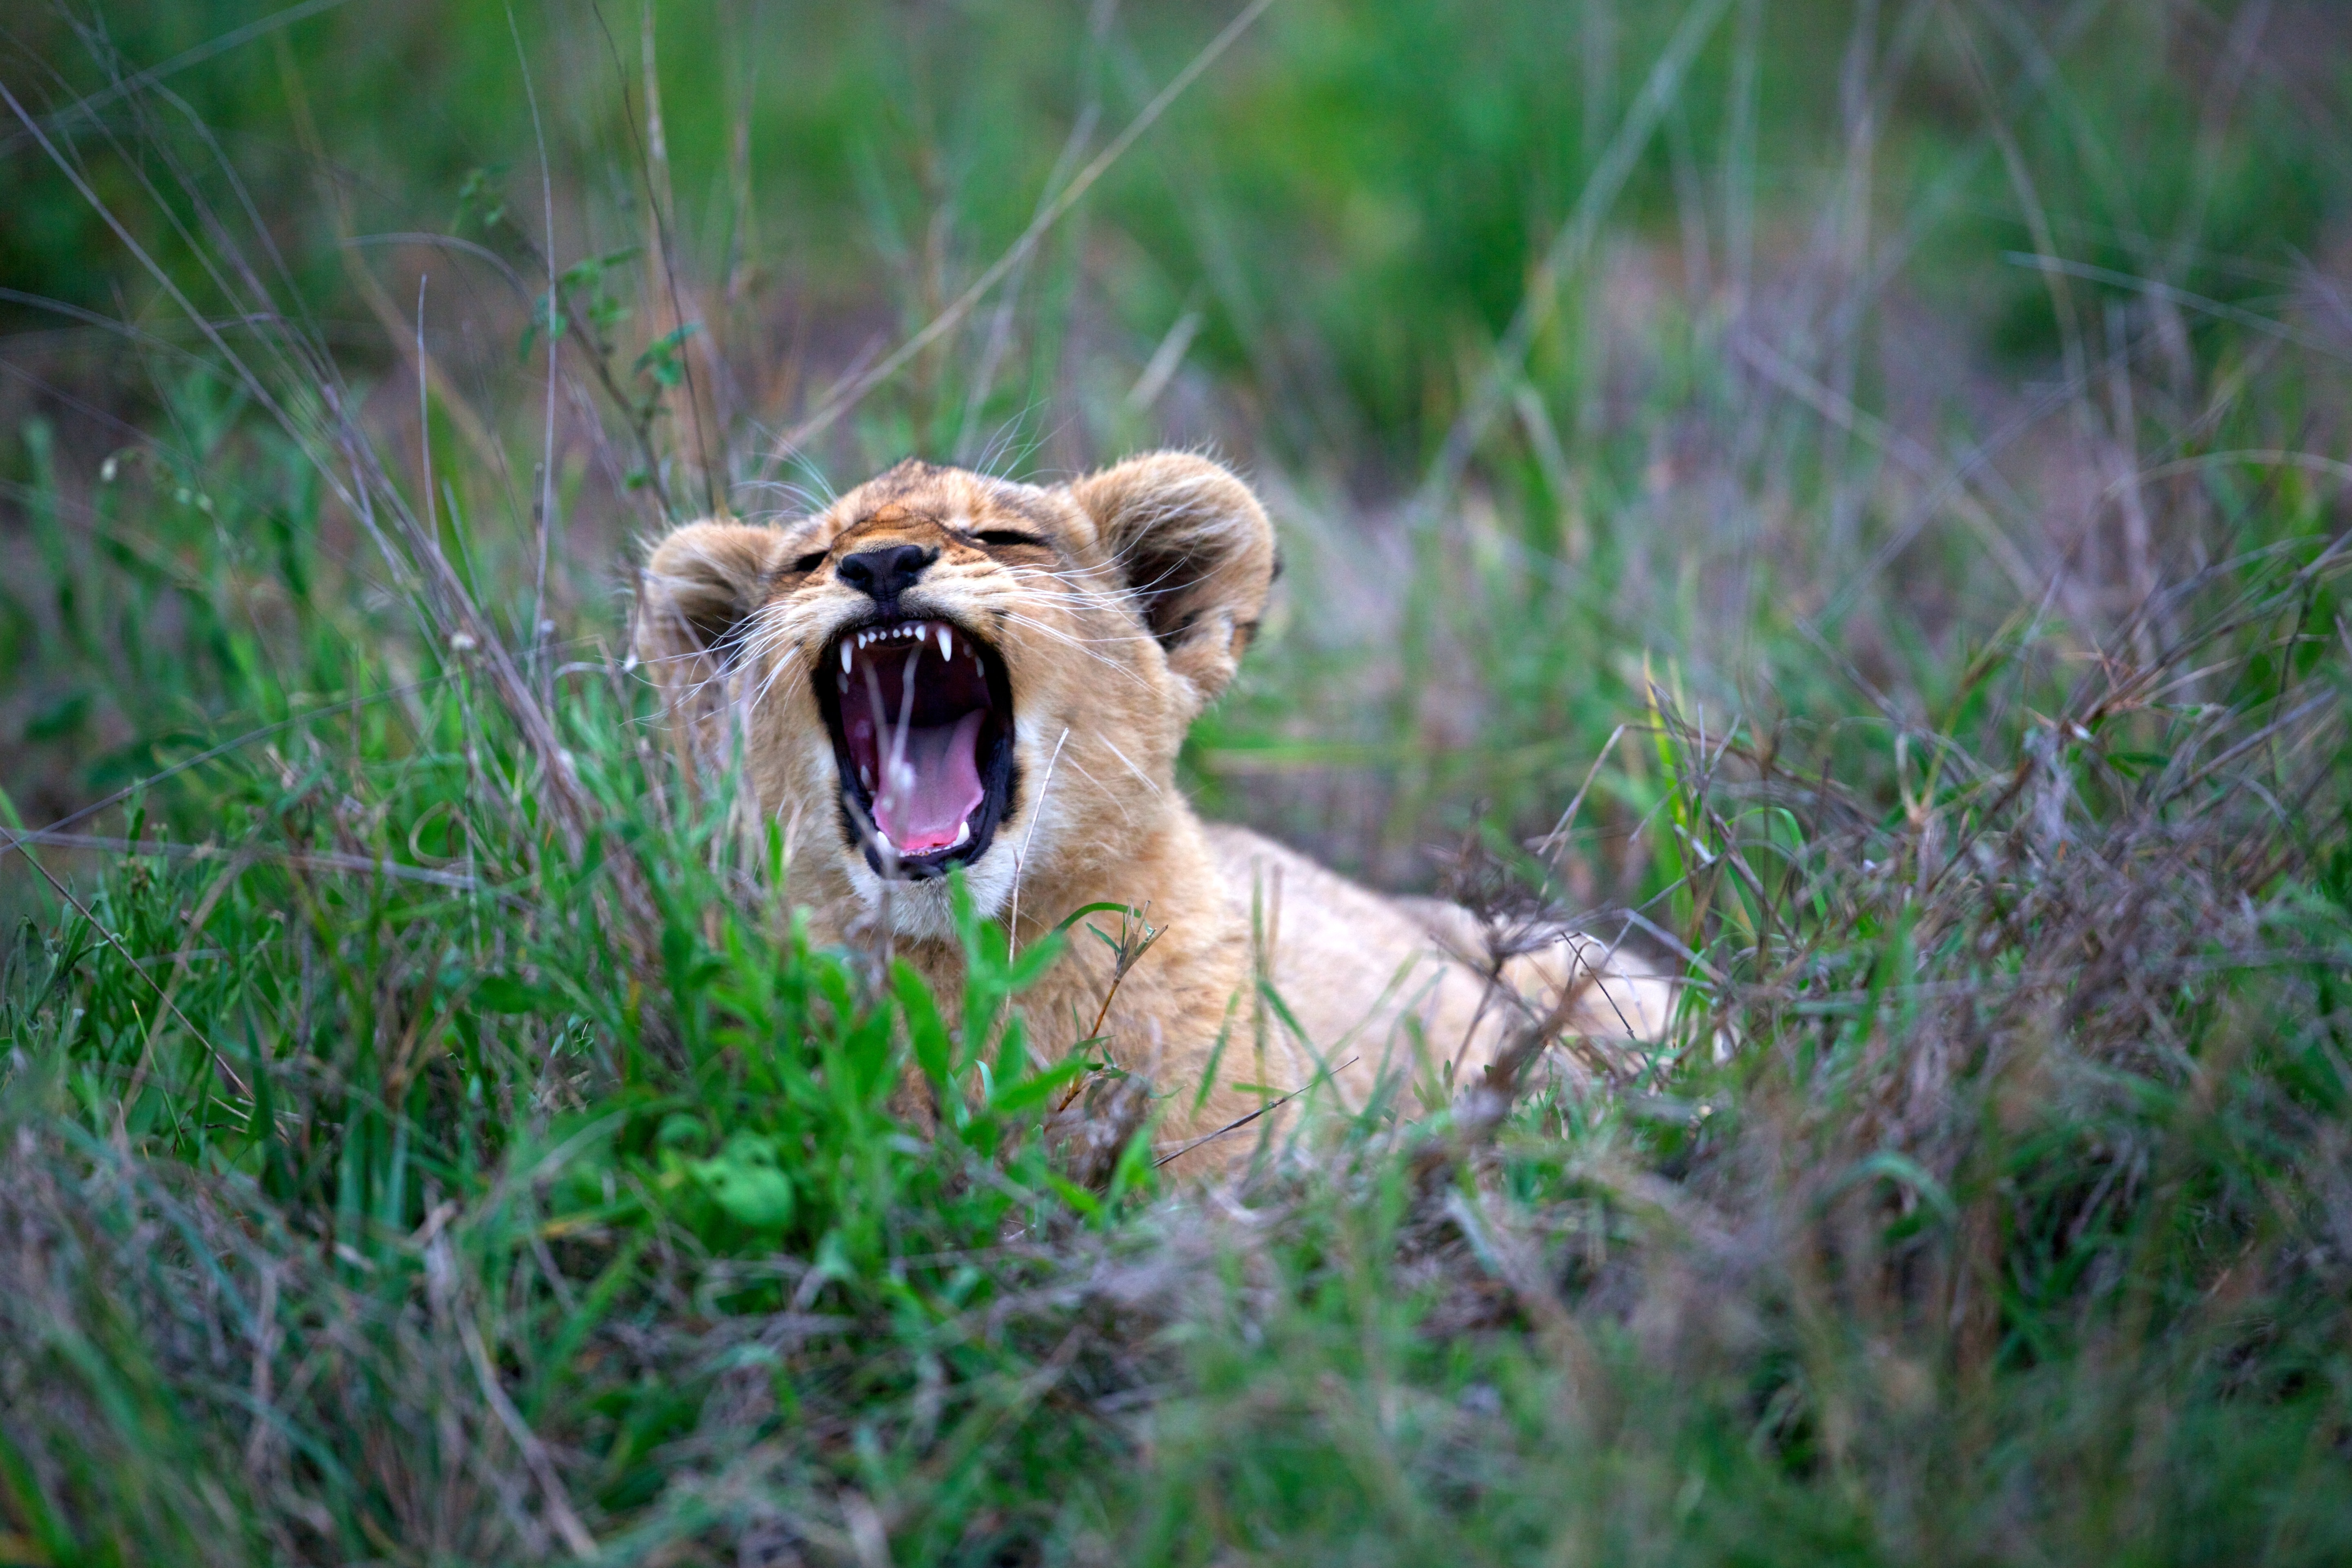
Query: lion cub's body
1118,607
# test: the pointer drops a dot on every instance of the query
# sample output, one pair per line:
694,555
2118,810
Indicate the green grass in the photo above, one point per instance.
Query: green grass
433,1137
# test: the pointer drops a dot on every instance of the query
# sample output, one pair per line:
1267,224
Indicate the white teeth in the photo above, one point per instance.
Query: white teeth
963,834
947,643
866,777
844,661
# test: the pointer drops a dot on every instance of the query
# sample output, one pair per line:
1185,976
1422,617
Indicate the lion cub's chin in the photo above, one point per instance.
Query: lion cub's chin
890,670
923,910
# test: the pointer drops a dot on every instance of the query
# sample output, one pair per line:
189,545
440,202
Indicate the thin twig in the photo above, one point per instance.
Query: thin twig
297,859
545,521
10,841
220,1060
843,398
1241,1122
1551,840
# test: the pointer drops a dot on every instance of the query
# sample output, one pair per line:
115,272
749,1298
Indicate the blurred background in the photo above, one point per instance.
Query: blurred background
1785,354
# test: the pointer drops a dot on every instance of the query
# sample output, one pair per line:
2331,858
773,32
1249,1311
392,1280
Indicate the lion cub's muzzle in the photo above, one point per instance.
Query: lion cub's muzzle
920,712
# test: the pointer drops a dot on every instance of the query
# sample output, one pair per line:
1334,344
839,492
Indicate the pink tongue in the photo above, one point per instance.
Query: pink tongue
927,797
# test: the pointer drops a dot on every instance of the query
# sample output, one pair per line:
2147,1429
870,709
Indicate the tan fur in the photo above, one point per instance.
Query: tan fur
1114,641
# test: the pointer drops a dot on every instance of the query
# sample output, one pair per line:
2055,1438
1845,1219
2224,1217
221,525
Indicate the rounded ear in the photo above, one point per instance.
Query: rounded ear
699,587
1196,552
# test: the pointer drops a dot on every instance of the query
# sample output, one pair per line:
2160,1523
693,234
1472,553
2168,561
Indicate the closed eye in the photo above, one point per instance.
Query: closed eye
811,561
1007,536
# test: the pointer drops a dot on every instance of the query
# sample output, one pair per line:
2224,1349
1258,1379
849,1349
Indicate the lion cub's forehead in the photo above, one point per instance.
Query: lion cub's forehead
961,502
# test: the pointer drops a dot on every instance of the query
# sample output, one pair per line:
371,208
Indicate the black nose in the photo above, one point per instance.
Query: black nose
883,574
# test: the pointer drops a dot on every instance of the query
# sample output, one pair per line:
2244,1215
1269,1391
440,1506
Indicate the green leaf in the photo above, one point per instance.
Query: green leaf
746,1184
506,993
63,718
1077,1196
1012,1055
662,360
481,197
1083,910
540,317
590,272
925,1029
1903,1171
1133,1171
1032,963
1036,1089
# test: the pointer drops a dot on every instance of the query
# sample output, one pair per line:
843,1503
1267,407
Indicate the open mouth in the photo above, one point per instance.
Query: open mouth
921,716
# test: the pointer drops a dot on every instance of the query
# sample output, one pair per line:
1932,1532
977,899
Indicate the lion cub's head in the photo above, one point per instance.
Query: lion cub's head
947,669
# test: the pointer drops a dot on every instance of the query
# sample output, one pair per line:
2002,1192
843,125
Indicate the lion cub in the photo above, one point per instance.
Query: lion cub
944,669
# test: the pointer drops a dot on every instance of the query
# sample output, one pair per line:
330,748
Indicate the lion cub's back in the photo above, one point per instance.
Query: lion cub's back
1352,966
1373,978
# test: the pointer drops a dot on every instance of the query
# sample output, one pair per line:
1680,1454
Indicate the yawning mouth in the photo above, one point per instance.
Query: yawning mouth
921,716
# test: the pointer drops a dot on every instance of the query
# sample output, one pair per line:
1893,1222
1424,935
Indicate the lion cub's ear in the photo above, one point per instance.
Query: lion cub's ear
700,586
1197,552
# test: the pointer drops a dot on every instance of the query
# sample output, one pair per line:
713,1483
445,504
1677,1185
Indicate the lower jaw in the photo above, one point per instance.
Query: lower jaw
910,869
926,867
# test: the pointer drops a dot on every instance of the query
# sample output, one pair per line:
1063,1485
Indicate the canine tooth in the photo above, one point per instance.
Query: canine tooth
963,834
947,643
844,662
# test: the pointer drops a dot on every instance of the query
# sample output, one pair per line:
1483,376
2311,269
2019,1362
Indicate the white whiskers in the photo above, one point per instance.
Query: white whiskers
1123,757
1021,856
